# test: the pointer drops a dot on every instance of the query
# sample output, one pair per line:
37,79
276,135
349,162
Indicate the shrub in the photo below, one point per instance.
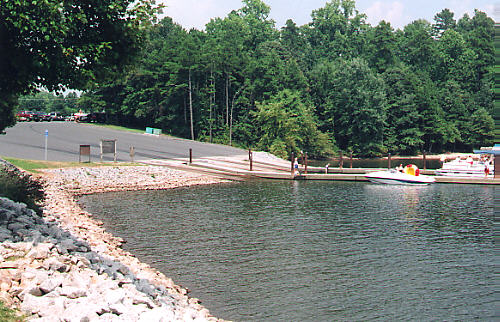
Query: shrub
20,187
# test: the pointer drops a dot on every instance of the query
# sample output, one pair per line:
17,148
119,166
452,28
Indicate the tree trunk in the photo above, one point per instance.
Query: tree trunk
231,117
227,99
185,109
212,102
191,106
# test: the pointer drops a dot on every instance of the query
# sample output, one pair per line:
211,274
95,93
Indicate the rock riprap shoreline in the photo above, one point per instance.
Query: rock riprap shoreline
64,266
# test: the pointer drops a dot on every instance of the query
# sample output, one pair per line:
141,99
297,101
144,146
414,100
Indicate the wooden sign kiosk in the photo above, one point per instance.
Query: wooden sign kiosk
108,146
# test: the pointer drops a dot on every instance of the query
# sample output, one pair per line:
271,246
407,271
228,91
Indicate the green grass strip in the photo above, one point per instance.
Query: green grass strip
35,165
8,315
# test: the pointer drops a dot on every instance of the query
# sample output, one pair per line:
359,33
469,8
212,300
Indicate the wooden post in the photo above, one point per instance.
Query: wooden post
497,166
423,159
132,153
389,161
190,156
250,159
341,161
305,169
350,160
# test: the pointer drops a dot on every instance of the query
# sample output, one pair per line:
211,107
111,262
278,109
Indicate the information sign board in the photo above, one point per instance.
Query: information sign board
108,146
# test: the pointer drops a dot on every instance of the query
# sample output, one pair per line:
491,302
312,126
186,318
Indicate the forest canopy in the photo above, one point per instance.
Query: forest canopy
334,84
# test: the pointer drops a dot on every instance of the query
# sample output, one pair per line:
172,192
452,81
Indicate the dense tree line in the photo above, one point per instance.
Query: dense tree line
47,102
336,83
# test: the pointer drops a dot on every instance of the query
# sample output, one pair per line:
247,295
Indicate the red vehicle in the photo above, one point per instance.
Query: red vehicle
24,116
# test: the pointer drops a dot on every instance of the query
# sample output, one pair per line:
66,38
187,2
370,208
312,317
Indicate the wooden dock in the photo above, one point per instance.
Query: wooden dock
238,168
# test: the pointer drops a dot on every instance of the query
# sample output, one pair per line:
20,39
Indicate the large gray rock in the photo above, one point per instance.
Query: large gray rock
24,219
35,236
40,251
32,290
78,279
73,292
114,296
157,315
7,215
32,276
5,236
15,227
53,264
51,283
144,286
32,304
54,308
80,311
135,310
66,246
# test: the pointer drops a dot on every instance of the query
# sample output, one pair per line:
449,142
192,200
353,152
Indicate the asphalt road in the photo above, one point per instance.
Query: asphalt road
26,140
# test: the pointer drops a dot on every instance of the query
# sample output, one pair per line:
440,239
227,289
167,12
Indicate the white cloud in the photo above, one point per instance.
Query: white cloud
460,7
389,11
196,13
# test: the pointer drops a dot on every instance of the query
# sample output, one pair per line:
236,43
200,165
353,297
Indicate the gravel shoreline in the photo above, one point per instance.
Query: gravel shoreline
64,266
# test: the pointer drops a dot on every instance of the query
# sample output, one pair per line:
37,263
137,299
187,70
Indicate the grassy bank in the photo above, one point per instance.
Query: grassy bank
120,128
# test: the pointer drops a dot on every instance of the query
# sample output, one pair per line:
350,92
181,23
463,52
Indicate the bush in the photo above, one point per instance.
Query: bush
21,187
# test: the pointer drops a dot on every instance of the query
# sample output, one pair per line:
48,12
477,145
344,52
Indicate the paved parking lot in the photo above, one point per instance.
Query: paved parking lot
26,140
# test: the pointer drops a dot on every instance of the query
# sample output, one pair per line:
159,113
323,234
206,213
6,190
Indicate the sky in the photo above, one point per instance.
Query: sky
196,13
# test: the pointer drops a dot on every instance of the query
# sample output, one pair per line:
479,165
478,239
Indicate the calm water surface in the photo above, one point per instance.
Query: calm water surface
317,251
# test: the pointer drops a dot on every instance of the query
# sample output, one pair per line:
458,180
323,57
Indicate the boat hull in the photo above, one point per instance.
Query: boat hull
463,173
398,178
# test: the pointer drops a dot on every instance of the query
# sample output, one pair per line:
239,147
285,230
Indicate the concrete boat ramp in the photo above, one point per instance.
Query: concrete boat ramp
266,166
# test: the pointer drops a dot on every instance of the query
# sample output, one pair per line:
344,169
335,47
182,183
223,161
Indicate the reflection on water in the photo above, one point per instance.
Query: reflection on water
309,251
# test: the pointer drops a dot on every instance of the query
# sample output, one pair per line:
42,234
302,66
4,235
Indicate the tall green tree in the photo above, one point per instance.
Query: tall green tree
481,127
381,48
336,31
401,134
354,108
479,36
418,48
454,60
443,21
286,124
65,43
294,40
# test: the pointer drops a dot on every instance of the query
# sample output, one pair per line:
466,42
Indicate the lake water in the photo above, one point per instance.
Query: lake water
317,251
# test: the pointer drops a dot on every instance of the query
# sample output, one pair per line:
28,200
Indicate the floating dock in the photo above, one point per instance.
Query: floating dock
238,168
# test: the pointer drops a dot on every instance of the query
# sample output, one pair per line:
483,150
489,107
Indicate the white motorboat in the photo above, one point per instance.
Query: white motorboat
466,168
409,175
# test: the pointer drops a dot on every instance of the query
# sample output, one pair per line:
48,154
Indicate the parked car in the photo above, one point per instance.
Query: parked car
96,117
54,116
40,117
24,116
